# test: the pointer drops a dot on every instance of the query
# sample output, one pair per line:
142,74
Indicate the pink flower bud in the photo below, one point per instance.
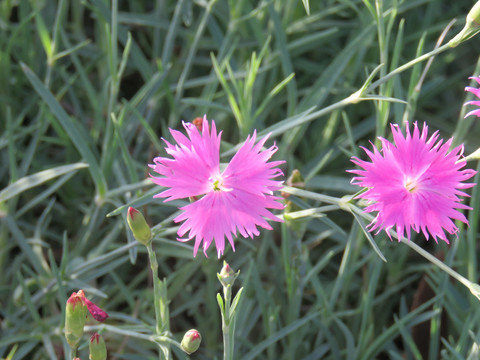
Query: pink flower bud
140,229
75,317
98,350
227,276
191,341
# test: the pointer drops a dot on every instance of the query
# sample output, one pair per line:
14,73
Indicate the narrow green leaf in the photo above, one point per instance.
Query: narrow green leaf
306,5
253,354
70,127
369,237
36,179
44,35
235,302
220,303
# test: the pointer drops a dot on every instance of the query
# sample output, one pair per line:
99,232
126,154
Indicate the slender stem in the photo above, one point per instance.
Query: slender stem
160,301
154,267
344,204
406,66
439,263
420,251
159,339
227,331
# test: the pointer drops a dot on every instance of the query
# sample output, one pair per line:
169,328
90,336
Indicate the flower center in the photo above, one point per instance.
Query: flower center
217,184
411,184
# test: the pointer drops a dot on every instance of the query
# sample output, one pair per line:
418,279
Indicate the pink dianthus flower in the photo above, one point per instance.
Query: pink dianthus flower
476,92
236,198
414,184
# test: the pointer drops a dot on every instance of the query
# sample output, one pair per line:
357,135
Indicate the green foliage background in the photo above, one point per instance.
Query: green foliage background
314,287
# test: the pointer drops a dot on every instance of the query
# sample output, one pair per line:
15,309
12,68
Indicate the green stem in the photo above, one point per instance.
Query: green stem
437,262
160,300
227,330
344,203
406,66
154,268
159,339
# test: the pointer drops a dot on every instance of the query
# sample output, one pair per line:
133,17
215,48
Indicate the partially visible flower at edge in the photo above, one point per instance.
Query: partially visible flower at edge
414,184
476,92
236,198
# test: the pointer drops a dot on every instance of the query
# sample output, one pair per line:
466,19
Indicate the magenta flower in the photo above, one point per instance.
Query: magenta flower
414,184
236,198
476,92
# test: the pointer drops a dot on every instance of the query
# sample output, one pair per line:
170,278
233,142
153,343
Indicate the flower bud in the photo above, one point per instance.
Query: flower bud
227,276
471,28
474,14
191,341
98,350
75,316
140,229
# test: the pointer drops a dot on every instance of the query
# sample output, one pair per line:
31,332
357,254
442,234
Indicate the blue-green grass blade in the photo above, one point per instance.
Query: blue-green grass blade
36,179
257,350
76,136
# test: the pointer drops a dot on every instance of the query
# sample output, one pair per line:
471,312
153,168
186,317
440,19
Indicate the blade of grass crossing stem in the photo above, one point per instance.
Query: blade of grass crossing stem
70,127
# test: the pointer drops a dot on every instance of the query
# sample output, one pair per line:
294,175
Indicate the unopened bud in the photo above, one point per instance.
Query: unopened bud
75,316
227,276
471,28
474,14
140,229
191,341
98,350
